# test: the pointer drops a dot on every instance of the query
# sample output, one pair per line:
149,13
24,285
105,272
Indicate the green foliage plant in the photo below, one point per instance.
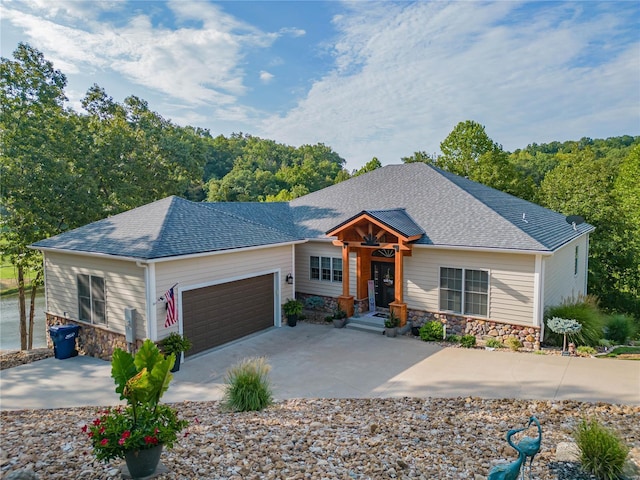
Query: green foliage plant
494,343
392,320
248,387
602,452
585,310
175,343
586,350
468,341
432,331
292,307
513,343
143,423
619,328
339,314
453,338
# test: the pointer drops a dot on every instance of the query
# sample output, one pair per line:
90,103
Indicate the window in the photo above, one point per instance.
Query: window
326,269
91,299
575,261
464,288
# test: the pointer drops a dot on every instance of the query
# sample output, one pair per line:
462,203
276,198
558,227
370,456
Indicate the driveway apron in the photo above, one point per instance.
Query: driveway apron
317,361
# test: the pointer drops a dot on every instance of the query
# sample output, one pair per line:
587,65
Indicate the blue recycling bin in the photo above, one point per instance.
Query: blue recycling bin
64,340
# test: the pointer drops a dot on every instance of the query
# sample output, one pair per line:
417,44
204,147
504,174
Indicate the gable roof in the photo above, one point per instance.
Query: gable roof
174,226
395,219
415,198
451,210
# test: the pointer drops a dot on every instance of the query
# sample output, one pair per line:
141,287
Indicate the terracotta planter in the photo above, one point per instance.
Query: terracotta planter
142,463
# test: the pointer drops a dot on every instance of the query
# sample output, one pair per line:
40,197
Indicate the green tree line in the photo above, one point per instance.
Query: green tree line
598,179
61,169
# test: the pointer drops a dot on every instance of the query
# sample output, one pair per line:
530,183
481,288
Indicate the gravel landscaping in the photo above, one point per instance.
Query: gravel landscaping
316,439
422,438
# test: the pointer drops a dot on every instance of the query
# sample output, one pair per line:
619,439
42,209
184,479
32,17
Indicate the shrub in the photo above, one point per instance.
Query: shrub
585,310
453,338
603,342
314,303
513,343
602,452
584,350
248,387
619,328
431,331
468,341
494,343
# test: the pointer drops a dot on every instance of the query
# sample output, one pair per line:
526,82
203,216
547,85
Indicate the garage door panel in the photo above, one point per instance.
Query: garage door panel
221,313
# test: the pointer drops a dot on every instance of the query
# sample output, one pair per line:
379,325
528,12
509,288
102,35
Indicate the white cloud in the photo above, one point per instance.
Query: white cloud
407,73
196,64
266,77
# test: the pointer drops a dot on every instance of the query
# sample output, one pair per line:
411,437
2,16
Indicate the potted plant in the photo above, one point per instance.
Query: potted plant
391,325
176,344
292,308
339,318
138,431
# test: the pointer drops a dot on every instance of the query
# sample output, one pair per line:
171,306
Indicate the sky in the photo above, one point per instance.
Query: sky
369,79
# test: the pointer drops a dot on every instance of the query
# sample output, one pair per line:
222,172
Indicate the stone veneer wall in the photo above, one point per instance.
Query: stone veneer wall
481,329
331,303
93,340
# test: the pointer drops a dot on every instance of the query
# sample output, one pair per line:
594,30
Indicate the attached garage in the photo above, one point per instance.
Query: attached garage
219,314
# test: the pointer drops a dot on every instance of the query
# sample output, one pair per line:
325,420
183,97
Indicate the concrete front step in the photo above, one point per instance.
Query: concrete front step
366,324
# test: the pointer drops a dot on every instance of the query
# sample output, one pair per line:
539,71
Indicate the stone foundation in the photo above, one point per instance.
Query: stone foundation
481,329
93,340
330,304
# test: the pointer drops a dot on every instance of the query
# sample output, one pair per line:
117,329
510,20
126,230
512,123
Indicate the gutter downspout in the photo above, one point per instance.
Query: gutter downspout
538,295
150,299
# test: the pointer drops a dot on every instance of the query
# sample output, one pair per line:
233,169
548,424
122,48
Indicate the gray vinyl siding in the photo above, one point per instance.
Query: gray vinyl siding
560,283
511,281
124,287
210,270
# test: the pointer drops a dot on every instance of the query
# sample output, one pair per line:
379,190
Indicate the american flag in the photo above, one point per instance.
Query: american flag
172,314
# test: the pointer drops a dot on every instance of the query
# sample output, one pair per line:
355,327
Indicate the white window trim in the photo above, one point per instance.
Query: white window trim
462,304
331,267
92,320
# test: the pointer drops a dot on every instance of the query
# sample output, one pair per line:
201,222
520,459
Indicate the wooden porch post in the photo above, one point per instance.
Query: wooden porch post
345,301
398,306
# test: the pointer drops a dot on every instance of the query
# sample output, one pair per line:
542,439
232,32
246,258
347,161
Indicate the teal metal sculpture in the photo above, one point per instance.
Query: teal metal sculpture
528,447
509,471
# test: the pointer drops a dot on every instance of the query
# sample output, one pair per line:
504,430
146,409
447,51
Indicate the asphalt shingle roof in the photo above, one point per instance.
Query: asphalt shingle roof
452,211
174,226
413,198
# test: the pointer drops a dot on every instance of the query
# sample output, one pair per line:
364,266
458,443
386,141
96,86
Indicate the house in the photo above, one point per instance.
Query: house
420,241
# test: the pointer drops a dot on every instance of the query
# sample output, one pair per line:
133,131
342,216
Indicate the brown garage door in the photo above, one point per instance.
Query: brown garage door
221,313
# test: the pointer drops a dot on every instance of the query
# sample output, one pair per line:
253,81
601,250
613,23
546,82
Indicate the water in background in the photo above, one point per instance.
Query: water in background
10,323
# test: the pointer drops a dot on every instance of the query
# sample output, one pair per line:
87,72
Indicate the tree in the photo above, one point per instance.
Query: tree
463,147
370,166
583,184
37,143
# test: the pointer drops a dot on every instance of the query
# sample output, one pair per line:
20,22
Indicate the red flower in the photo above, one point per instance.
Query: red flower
96,421
121,441
126,434
104,442
102,429
149,440
84,429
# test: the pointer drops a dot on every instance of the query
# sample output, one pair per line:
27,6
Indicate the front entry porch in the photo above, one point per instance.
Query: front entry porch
380,239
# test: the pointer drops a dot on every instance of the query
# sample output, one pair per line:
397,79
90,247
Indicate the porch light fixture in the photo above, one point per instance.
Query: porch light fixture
289,279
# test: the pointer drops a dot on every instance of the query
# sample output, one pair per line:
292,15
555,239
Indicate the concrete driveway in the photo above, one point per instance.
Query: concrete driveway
317,361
